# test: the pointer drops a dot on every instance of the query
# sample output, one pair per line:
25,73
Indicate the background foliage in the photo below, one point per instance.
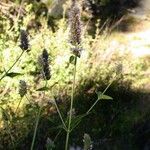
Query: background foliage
119,124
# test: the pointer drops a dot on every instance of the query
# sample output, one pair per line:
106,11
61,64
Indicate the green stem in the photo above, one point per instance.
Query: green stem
60,116
57,135
37,122
27,98
36,126
6,72
18,105
102,94
71,105
45,83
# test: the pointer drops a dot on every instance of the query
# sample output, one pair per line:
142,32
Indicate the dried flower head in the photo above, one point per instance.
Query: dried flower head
24,42
75,24
22,88
44,64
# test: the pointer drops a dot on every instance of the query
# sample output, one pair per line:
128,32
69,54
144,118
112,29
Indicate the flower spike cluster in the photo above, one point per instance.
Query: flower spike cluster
44,64
22,88
75,27
24,42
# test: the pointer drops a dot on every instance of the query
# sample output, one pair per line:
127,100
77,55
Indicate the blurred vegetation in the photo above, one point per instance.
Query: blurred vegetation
119,124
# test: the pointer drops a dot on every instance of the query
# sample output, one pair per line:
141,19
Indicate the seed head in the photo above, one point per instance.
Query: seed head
22,88
24,42
44,65
75,24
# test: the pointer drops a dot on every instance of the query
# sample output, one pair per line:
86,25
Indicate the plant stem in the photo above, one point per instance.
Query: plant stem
57,135
36,126
18,105
37,122
6,72
71,105
102,94
27,98
60,116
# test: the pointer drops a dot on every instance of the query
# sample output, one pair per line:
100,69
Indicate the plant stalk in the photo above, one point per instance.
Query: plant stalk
71,105
36,126
18,105
37,122
61,118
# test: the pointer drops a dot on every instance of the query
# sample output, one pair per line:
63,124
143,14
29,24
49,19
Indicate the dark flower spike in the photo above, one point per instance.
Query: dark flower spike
47,72
22,88
45,55
24,42
44,64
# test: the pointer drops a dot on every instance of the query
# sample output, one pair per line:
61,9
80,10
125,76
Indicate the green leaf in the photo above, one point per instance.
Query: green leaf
13,74
106,97
102,96
72,59
43,89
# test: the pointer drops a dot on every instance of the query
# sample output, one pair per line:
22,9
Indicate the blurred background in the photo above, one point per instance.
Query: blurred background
116,46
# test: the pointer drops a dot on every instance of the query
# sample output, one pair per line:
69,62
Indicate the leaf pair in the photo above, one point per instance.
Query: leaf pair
13,74
103,96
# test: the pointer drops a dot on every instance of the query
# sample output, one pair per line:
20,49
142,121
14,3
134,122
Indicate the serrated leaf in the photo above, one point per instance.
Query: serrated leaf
13,74
72,59
103,96
43,89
